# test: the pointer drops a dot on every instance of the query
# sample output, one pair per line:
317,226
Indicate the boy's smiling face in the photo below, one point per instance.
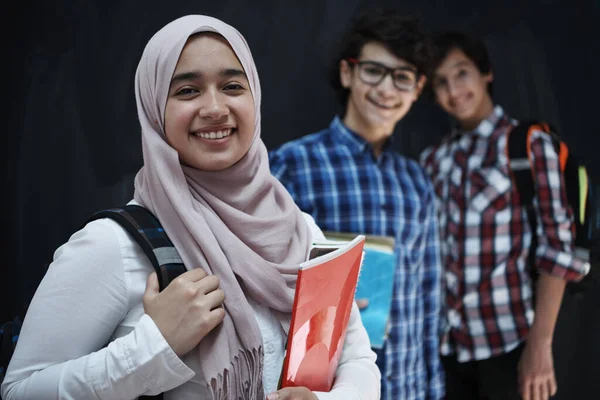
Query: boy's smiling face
461,89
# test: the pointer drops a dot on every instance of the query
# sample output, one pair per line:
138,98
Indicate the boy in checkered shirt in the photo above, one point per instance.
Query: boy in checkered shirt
349,178
497,341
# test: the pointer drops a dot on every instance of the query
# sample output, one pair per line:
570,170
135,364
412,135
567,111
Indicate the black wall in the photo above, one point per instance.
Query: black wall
72,142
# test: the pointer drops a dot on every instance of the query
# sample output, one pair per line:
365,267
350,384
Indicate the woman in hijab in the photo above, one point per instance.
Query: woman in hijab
217,331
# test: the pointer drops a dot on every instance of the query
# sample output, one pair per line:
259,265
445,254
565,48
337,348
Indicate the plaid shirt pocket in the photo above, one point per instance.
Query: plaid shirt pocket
490,189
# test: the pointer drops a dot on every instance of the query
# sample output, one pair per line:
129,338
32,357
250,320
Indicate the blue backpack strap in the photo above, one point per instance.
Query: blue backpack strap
148,233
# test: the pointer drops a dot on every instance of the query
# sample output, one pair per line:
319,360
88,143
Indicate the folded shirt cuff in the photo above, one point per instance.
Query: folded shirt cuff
152,359
567,266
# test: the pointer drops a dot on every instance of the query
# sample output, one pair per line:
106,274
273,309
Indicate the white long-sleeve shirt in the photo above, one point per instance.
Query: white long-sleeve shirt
92,295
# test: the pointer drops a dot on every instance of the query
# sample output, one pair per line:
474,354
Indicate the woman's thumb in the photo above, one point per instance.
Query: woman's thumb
152,287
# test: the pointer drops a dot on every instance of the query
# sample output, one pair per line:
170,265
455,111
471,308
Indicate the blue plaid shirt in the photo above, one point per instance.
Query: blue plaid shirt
334,176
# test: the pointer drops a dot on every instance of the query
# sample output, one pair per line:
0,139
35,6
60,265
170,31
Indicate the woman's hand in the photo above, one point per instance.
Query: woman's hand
292,393
187,310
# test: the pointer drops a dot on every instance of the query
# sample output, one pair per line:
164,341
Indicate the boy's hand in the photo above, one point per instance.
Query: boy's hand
362,303
536,371
292,393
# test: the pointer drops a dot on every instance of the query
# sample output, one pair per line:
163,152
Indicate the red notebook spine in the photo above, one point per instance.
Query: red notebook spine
320,315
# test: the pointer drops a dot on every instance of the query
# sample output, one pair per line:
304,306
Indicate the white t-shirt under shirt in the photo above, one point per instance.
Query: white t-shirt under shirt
92,294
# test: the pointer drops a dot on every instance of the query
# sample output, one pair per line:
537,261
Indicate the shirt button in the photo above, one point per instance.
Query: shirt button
269,348
454,318
451,281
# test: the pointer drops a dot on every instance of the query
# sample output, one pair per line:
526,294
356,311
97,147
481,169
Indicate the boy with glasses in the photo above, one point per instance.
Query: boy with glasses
350,180
498,341
372,73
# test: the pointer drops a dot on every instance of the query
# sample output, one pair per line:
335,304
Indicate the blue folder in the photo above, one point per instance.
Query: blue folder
376,283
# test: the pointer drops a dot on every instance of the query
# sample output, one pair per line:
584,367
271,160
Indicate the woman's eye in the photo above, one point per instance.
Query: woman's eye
462,73
186,91
233,87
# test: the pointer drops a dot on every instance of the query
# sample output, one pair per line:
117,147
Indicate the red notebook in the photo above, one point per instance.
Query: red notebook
324,297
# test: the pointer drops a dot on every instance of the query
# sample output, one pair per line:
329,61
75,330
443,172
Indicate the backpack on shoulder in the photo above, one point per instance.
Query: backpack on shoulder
148,233
580,197
9,334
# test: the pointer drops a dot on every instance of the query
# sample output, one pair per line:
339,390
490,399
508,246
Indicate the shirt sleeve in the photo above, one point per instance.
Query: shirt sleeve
281,168
62,352
357,376
315,231
432,292
555,226
424,156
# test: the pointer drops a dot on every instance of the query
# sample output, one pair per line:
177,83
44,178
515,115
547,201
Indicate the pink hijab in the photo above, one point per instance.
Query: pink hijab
239,224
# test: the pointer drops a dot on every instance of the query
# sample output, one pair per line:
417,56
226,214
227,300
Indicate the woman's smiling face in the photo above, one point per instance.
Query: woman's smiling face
209,116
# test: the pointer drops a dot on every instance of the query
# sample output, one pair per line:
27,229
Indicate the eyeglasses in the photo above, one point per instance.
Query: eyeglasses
372,73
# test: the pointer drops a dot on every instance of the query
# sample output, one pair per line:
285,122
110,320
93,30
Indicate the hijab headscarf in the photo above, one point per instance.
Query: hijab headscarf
239,224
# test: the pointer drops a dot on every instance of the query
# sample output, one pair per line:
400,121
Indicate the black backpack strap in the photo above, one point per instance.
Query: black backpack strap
148,233
518,157
520,169
519,163
9,334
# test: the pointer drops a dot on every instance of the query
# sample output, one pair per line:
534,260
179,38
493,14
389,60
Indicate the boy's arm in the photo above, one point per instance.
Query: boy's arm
555,227
536,367
432,292
555,262
280,169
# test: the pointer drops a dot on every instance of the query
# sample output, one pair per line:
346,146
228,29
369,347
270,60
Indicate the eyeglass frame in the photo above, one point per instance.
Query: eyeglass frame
387,71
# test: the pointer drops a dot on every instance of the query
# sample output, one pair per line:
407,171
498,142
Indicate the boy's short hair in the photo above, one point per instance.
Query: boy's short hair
399,34
473,47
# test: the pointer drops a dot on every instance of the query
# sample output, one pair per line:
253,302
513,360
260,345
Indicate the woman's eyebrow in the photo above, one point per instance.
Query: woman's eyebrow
185,76
232,72
195,75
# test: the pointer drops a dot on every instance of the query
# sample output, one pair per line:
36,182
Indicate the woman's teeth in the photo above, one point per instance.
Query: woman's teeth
214,135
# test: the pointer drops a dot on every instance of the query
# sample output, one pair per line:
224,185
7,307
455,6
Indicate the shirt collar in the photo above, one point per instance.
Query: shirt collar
488,125
353,140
